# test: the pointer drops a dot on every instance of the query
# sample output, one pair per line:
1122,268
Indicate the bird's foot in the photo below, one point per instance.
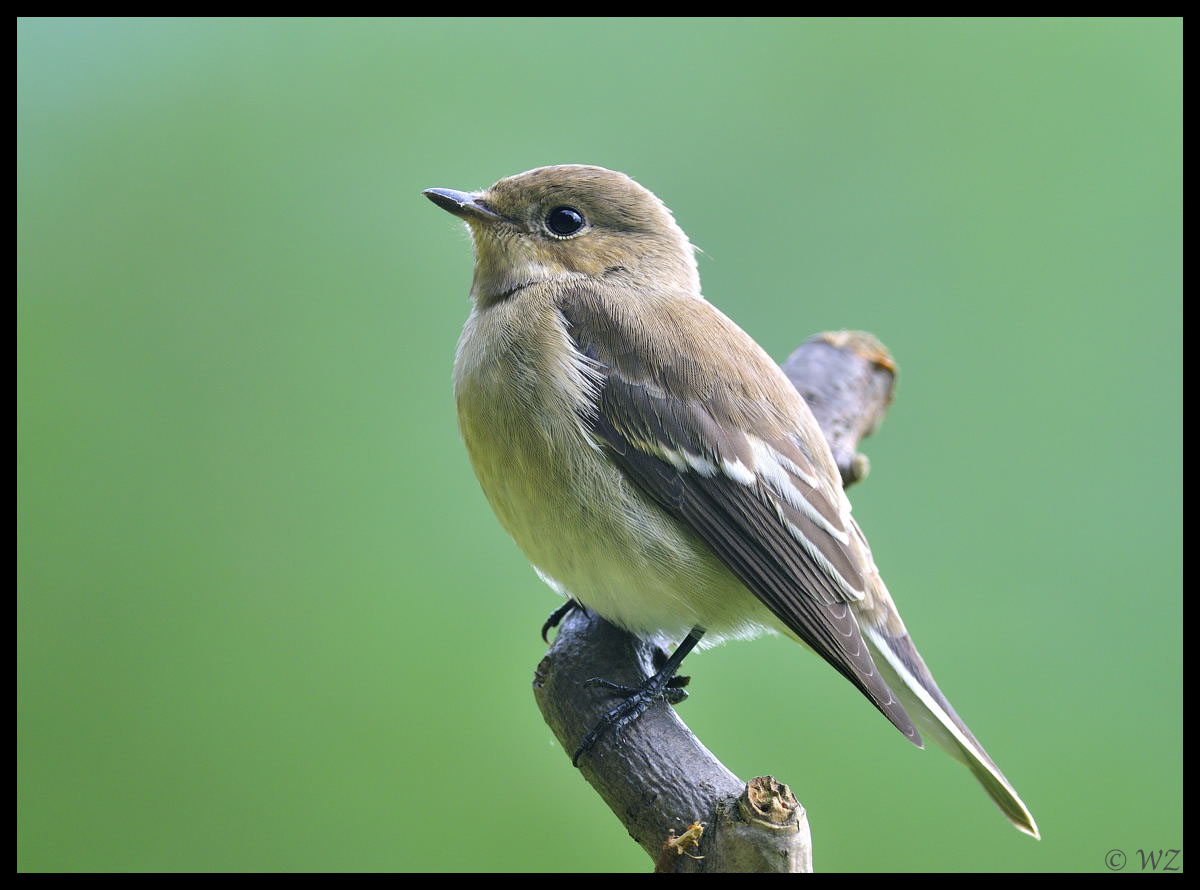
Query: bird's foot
663,685
557,616
673,691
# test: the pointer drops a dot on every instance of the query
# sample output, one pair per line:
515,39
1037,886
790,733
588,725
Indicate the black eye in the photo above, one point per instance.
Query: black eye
564,221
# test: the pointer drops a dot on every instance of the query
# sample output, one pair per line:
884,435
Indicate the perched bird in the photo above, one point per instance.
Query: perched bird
653,462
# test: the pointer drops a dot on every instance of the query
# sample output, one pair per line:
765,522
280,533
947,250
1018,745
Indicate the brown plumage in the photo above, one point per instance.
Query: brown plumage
652,460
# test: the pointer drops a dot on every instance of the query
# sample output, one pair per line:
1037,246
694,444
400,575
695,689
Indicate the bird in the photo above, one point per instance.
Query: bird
651,460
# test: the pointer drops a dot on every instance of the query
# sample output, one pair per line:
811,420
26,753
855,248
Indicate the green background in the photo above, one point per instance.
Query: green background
266,618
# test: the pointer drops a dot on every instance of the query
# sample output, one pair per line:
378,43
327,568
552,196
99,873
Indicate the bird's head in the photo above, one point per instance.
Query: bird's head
570,221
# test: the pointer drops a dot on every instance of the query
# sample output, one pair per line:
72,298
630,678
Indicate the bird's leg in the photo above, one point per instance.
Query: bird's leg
675,683
557,616
639,698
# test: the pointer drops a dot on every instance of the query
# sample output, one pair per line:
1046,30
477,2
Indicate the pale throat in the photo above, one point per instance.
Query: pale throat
503,264
507,262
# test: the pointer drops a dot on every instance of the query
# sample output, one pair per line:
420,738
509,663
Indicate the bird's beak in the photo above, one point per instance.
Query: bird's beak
464,205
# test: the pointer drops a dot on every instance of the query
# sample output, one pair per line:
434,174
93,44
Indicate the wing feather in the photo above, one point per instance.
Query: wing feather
751,494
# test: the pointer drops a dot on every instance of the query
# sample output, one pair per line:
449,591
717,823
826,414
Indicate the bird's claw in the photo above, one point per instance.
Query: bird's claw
637,700
556,617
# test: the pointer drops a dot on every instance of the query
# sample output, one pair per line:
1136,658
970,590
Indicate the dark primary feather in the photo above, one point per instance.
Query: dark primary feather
637,414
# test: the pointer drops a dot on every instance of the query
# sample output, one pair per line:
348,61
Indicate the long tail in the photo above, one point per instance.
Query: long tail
906,673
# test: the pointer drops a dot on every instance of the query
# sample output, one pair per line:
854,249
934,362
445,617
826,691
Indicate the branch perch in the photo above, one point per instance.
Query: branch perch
676,799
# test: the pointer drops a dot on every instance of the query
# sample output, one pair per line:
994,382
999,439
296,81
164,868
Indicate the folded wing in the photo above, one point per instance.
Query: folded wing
744,474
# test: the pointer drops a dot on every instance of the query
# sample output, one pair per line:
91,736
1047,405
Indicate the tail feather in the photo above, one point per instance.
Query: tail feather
912,682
